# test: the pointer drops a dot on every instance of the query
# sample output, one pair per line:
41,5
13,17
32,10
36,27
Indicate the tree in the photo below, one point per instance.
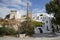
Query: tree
37,24
28,26
53,7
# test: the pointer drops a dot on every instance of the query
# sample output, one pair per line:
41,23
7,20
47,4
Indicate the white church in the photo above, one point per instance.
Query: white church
46,20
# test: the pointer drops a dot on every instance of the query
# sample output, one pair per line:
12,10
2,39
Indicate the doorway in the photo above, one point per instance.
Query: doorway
40,30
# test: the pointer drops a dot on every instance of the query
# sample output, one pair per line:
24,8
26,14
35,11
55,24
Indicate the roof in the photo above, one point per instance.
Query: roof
43,14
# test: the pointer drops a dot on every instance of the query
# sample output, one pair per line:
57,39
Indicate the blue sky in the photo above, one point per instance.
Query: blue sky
39,3
34,5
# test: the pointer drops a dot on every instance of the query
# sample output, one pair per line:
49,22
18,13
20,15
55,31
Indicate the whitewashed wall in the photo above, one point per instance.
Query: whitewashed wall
44,20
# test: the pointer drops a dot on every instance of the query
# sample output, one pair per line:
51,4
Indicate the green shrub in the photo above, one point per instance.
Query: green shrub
2,31
28,30
7,31
22,30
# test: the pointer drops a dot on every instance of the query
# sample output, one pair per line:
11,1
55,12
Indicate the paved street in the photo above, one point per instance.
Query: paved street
41,37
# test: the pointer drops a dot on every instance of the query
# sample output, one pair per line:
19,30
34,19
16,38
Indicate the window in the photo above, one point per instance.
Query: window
43,20
46,21
37,18
47,28
43,23
41,17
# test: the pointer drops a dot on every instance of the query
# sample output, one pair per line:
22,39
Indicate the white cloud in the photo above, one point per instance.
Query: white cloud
26,1
22,12
4,4
3,12
38,11
15,2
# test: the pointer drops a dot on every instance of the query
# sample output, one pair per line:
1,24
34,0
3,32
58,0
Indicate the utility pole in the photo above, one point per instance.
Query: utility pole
27,20
27,11
27,8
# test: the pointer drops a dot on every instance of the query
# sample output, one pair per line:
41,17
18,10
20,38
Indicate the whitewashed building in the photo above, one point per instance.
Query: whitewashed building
46,20
14,15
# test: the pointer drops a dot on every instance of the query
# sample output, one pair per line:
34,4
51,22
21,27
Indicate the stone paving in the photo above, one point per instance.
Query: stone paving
41,37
